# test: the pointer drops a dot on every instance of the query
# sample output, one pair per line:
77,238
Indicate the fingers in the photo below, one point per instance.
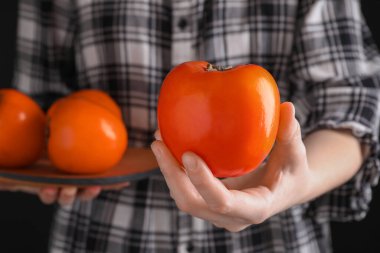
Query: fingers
157,135
289,129
48,195
239,207
214,193
289,149
181,188
90,193
175,177
64,196
200,194
67,195
232,208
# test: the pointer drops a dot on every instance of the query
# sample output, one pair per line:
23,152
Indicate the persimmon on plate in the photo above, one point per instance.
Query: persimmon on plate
83,136
22,129
86,134
137,163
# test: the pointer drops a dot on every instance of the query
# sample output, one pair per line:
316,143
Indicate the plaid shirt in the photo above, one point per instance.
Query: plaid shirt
320,52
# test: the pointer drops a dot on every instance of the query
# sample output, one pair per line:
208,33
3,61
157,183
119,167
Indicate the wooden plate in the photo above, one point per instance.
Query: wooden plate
138,163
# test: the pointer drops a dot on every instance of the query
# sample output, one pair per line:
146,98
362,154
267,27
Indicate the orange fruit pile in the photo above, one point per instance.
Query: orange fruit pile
83,133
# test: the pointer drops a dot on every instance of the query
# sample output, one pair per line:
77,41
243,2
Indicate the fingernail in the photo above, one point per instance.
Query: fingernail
189,162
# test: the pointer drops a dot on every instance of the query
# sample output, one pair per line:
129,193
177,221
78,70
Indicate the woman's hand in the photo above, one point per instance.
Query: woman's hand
67,195
285,180
236,203
61,195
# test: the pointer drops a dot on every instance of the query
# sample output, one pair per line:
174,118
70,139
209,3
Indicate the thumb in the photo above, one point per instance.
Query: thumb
289,129
289,145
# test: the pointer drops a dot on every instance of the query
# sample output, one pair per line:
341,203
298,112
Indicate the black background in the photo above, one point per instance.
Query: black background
25,222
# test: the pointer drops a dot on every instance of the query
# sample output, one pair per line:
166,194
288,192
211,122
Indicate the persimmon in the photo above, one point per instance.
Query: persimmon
228,116
22,129
99,97
52,109
85,137
93,95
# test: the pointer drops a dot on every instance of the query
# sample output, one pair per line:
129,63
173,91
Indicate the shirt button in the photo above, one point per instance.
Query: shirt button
182,23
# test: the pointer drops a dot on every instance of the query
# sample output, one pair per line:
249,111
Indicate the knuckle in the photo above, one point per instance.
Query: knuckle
224,207
187,204
183,205
180,203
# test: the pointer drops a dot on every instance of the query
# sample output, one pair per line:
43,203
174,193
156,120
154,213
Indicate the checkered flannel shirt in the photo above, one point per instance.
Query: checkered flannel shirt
319,51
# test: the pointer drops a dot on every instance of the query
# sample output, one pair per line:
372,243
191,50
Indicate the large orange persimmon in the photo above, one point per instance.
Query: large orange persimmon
228,116
22,129
85,136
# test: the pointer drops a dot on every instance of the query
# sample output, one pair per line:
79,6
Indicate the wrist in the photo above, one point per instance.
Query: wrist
297,186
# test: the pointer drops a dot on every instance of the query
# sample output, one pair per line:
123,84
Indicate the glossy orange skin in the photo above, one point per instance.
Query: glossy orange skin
96,96
229,118
22,129
99,97
84,137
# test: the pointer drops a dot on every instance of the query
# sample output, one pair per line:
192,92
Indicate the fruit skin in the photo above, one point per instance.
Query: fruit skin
95,96
85,137
99,97
229,118
22,129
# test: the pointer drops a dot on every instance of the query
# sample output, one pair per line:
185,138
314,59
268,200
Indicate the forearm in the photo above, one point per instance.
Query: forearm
333,157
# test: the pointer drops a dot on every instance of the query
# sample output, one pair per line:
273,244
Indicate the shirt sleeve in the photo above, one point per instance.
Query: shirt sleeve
335,72
45,64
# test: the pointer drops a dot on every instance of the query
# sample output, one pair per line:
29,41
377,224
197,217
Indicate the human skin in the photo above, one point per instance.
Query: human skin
297,171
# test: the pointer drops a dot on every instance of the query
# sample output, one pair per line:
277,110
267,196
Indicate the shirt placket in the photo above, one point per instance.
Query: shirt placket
183,27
